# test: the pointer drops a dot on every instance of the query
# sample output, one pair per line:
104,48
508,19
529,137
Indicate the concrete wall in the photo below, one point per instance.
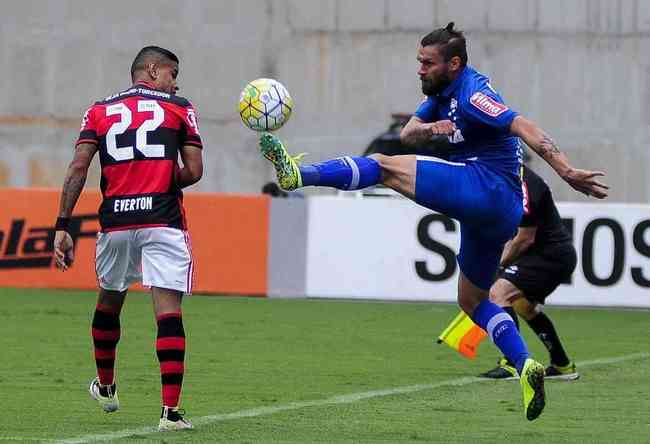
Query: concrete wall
579,67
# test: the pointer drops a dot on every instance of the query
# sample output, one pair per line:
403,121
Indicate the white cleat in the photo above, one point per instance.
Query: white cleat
105,395
171,419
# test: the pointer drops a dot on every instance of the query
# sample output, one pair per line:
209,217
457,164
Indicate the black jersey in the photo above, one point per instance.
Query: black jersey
540,211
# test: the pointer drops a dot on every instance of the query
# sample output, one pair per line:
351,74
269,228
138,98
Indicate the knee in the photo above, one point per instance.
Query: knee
379,158
111,298
390,164
526,309
503,293
382,160
498,297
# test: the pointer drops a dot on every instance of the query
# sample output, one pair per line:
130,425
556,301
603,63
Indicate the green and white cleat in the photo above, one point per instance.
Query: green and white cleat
286,167
532,387
105,395
171,419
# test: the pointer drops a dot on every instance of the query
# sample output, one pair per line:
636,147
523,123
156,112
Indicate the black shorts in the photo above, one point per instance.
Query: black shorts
537,274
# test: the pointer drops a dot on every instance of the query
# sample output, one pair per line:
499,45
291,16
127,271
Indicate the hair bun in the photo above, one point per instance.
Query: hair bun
450,27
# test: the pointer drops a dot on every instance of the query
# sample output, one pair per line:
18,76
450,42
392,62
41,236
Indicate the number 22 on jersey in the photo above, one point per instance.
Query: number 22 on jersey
126,152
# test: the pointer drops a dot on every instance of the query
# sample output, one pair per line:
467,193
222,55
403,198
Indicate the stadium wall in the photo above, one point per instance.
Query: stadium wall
579,67
328,247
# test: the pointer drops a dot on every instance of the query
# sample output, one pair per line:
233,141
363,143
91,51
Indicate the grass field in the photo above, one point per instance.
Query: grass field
303,371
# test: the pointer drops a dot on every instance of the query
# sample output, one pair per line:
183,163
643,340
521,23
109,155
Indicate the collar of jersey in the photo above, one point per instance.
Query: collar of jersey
448,91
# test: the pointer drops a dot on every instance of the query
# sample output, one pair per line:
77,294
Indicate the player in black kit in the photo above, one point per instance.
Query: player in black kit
533,264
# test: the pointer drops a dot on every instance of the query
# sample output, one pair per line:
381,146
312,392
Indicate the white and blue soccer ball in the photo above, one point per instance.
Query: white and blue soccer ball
265,105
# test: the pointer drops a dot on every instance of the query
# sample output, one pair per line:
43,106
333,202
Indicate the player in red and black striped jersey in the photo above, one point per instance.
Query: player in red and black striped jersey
139,133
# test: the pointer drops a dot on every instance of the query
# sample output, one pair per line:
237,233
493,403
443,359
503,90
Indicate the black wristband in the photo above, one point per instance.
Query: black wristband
62,223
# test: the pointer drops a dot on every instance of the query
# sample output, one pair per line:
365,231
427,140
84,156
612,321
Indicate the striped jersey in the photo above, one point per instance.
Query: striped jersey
139,133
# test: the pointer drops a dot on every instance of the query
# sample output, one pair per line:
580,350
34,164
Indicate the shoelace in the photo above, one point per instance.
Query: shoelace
298,157
107,391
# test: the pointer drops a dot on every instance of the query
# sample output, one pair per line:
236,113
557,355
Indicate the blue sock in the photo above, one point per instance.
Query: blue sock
503,332
344,173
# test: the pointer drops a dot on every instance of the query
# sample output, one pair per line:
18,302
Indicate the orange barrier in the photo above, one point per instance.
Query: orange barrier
229,241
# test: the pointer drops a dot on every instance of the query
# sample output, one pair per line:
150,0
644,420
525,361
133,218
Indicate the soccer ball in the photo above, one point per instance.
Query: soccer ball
265,105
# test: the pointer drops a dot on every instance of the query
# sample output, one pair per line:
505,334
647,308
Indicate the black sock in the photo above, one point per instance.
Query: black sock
543,328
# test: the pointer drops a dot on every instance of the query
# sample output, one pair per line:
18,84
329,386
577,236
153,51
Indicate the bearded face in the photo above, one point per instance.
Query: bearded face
434,71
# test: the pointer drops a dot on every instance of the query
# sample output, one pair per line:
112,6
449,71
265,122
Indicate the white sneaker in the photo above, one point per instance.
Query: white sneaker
172,419
106,395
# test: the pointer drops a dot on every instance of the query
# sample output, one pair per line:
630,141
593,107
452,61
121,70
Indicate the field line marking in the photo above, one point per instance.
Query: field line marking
607,361
20,438
334,400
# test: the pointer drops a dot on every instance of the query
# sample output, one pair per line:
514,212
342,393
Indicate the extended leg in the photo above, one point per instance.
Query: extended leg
343,173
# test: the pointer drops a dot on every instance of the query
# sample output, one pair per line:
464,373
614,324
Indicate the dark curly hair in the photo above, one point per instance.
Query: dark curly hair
452,43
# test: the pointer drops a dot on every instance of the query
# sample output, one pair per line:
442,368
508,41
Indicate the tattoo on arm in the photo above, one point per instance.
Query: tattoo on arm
547,148
75,178
72,186
418,134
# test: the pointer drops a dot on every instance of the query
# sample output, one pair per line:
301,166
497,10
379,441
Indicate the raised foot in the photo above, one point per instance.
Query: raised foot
286,167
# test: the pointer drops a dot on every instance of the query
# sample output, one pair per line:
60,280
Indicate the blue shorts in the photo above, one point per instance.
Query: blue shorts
487,206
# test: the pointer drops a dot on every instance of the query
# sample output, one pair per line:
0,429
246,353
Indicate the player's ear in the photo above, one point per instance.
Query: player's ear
455,63
152,69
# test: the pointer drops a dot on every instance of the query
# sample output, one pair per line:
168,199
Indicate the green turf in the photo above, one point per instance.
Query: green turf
249,353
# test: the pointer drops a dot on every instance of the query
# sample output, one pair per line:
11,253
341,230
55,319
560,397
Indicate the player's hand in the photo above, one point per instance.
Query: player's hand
585,182
442,128
63,250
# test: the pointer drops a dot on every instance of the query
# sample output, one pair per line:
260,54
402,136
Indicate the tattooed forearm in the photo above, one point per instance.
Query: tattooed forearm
72,186
547,148
416,134
75,177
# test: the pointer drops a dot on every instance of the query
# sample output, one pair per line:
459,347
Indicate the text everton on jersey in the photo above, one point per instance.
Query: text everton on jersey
133,204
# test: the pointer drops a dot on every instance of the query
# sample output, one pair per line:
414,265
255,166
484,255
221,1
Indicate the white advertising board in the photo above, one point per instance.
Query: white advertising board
392,249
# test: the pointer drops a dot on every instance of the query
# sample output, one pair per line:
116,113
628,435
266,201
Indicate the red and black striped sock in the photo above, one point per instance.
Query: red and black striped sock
106,335
170,348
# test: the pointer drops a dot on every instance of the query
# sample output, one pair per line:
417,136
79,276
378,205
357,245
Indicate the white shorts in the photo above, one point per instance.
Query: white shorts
159,257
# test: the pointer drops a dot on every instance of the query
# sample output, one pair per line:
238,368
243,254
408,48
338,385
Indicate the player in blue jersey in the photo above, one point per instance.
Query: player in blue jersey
479,185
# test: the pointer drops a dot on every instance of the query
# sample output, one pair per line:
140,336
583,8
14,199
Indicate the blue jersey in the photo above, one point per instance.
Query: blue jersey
482,123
